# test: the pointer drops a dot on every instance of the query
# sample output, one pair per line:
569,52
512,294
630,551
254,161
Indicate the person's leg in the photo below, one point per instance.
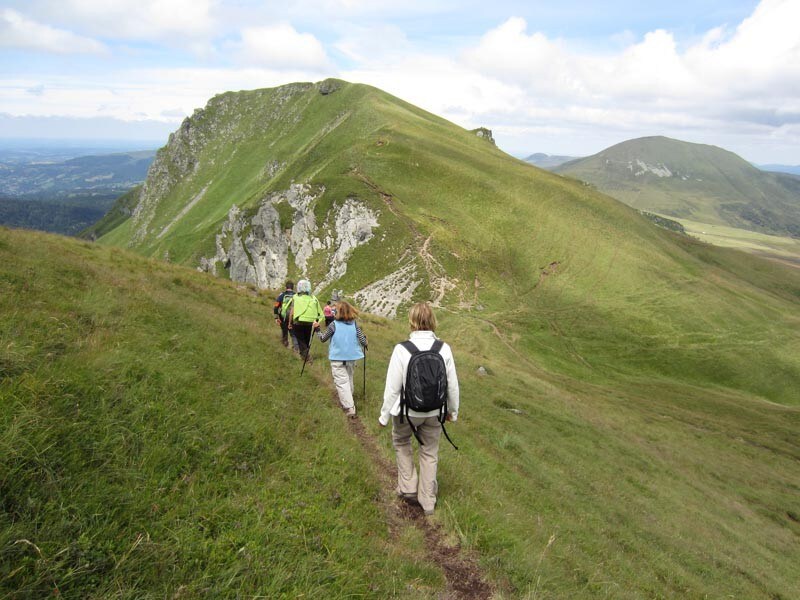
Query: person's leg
303,333
407,479
430,430
351,364
284,333
342,376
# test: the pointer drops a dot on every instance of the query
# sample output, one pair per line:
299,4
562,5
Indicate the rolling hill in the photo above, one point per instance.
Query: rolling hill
693,181
633,431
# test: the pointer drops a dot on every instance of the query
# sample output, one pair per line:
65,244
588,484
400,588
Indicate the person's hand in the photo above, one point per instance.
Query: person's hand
449,417
316,324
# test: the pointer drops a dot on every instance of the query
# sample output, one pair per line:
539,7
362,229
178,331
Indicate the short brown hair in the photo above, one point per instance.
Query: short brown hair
345,311
421,317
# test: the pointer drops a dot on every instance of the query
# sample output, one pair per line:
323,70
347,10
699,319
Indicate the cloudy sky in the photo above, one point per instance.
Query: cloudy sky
565,77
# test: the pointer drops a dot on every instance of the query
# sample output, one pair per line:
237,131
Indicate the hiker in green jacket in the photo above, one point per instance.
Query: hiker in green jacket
304,310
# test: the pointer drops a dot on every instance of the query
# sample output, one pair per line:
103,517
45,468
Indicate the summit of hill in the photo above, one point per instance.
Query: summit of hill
693,181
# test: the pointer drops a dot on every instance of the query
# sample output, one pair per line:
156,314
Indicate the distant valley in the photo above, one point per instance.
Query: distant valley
58,189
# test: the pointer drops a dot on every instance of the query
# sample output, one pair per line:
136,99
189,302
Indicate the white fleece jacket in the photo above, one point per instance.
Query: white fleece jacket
396,378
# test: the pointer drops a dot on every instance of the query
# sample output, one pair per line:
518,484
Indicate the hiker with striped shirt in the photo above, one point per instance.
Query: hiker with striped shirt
348,343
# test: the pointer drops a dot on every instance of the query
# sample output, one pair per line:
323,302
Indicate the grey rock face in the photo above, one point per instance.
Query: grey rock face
484,133
256,249
328,86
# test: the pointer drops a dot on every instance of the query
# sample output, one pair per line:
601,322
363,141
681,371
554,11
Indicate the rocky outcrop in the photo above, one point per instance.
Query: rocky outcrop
386,295
485,134
256,248
329,86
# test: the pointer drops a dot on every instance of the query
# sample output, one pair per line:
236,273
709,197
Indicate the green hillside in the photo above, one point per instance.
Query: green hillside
635,434
152,445
156,441
693,181
557,265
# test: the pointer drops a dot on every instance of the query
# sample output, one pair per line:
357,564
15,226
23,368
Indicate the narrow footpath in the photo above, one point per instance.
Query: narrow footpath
463,575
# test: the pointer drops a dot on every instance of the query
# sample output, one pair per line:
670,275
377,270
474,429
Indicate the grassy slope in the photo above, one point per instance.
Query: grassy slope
139,402
150,444
776,247
637,489
719,187
646,364
672,307
116,216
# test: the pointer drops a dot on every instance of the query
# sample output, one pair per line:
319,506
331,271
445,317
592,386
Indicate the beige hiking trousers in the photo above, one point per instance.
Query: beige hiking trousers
342,372
408,482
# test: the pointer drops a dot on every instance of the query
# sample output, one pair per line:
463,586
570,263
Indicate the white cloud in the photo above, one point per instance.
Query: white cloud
379,43
136,19
736,83
157,94
281,46
18,31
745,82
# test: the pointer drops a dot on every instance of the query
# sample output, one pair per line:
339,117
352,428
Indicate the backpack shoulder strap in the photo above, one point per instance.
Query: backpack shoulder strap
409,345
437,346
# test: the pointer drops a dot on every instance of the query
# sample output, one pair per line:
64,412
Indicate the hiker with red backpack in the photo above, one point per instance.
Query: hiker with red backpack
421,393
348,344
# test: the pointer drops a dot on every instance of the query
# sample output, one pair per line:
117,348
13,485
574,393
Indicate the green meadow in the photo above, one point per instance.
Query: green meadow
635,434
157,441
770,246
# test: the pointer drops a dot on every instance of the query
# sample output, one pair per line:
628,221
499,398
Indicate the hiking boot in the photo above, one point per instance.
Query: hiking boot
351,412
428,513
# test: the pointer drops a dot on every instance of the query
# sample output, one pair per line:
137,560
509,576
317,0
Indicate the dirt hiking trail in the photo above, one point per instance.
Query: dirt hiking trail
464,577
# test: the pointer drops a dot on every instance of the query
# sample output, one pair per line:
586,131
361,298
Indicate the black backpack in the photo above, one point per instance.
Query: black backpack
425,388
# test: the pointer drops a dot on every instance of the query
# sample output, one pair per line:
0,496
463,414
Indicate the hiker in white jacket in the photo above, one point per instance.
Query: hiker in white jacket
411,486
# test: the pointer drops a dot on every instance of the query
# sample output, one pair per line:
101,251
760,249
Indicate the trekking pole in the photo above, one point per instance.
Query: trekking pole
308,352
364,396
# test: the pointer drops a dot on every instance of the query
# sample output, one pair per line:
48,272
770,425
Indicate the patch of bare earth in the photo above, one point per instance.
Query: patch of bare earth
437,276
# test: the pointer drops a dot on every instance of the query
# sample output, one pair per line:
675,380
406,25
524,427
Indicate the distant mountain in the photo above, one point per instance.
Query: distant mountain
548,161
693,181
792,169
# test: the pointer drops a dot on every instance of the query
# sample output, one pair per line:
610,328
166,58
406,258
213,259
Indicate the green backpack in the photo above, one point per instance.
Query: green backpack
287,302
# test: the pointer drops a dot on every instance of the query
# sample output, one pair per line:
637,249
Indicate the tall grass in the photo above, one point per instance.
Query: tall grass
155,441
